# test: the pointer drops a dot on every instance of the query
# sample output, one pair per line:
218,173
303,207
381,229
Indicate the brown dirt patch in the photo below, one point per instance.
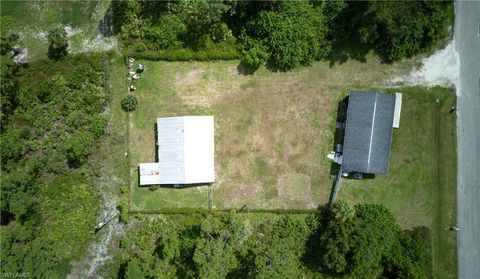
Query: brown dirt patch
294,186
238,194
190,78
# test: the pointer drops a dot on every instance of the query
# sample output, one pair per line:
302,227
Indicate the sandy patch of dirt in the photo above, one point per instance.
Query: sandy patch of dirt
203,87
440,69
294,186
239,194
190,78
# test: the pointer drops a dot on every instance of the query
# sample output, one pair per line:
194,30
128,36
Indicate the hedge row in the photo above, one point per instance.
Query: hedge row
186,55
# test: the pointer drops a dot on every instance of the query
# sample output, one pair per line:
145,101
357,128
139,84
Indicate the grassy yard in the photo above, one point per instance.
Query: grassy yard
272,134
273,130
420,188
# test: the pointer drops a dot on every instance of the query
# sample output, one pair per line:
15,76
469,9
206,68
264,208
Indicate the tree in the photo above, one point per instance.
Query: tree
8,84
294,35
200,17
399,29
58,43
215,255
410,258
254,53
276,254
78,146
46,206
129,103
359,242
166,34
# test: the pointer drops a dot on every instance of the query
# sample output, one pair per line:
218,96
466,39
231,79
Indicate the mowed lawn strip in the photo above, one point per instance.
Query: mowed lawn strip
420,188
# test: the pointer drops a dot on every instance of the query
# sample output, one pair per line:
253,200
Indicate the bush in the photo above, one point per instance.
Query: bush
154,188
255,53
58,43
78,147
97,125
294,35
141,47
129,103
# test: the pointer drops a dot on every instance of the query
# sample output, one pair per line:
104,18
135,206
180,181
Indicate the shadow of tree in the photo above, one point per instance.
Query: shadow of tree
312,256
339,131
106,24
348,49
245,70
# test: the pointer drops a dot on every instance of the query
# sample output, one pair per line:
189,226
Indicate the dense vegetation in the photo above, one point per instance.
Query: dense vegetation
359,242
284,34
51,123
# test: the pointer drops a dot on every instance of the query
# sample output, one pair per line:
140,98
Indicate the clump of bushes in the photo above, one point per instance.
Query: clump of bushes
129,103
58,43
141,47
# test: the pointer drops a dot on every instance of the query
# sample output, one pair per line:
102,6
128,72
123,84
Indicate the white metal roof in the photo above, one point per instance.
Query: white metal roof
149,173
185,150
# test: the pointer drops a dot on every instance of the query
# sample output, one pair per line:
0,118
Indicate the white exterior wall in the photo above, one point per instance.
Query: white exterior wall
398,110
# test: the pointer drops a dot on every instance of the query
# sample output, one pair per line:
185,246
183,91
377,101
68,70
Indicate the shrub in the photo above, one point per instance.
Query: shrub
129,103
78,147
254,54
58,43
97,125
154,187
141,47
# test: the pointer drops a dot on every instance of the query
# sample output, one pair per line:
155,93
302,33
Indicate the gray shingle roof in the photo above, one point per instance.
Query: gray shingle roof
368,132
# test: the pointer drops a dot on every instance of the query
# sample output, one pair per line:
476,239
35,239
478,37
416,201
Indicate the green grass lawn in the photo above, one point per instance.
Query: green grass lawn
272,130
272,134
420,188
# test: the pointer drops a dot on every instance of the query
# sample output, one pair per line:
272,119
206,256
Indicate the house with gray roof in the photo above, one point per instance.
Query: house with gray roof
368,133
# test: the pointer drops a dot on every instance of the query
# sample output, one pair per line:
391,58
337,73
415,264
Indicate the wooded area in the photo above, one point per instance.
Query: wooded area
363,241
283,34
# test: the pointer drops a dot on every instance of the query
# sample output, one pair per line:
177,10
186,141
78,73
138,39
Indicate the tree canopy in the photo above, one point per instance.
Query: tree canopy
363,241
283,34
